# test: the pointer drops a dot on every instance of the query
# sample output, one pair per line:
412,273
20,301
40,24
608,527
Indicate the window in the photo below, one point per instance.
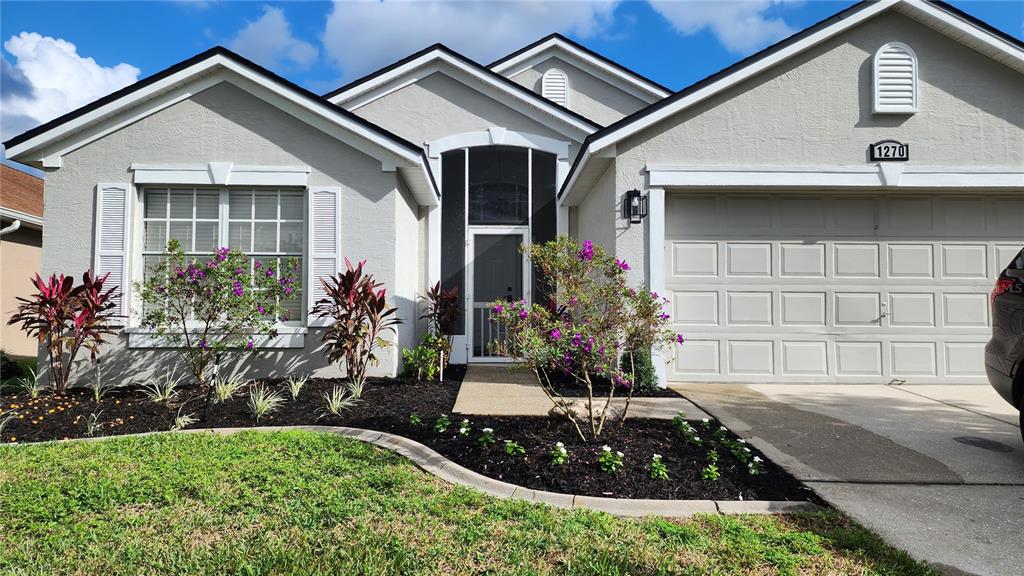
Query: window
555,87
895,79
268,225
499,189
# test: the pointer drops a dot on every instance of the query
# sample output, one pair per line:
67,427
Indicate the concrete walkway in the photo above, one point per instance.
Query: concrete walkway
935,470
500,390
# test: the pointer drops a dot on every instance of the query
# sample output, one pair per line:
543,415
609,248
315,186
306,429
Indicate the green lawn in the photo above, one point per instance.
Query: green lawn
305,503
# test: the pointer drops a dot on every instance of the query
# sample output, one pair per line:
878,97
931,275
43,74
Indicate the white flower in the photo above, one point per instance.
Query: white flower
465,421
507,441
704,420
742,441
559,444
657,456
746,449
620,454
606,448
488,430
757,459
723,428
696,438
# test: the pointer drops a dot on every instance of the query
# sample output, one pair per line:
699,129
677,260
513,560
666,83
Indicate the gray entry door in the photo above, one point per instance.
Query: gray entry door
498,274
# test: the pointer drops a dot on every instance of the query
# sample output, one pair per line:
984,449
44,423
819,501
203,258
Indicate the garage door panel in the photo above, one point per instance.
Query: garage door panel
835,288
1009,213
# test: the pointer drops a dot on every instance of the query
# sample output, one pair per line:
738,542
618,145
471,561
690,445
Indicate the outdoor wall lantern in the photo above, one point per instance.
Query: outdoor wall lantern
634,207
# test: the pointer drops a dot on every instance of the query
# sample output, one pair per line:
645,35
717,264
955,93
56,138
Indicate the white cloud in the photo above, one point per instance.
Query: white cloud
362,36
740,25
269,41
51,79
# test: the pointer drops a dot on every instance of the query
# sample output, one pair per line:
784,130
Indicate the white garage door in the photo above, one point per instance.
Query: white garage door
835,288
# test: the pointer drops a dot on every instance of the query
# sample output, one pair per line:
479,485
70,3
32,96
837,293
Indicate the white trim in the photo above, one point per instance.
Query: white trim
880,175
656,263
434,245
24,217
218,66
428,63
471,233
220,174
287,337
613,75
498,135
1007,53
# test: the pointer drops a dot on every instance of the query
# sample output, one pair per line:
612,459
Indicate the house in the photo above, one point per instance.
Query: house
21,250
831,209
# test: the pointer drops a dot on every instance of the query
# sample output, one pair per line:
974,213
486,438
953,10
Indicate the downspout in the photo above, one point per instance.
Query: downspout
12,228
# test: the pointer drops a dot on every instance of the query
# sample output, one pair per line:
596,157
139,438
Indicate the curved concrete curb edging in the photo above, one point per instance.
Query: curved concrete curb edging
436,464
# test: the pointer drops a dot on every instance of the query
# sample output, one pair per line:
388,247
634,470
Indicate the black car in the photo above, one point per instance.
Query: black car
1004,354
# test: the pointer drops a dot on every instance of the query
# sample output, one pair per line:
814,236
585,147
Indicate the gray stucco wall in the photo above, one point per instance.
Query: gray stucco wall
595,217
439,106
816,110
588,95
225,123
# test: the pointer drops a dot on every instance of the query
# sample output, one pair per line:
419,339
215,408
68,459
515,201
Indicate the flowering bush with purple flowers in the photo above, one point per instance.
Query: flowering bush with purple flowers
206,306
593,318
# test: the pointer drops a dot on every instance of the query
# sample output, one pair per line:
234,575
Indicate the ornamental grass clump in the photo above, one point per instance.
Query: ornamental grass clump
209,306
263,401
592,319
65,318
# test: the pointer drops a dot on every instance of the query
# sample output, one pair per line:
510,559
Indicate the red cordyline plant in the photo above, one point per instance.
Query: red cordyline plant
441,313
356,306
594,317
66,318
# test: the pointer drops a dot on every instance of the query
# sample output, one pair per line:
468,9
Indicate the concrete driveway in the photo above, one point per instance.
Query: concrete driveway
936,470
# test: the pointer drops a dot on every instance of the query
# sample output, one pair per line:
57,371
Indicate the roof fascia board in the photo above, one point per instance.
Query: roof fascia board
12,214
394,78
879,175
614,75
974,32
183,84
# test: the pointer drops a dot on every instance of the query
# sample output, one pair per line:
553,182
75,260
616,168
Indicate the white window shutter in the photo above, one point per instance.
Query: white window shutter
895,79
324,238
113,216
555,87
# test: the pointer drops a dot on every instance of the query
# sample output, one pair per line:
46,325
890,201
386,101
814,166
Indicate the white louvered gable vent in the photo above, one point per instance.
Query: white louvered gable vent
555,87
895,79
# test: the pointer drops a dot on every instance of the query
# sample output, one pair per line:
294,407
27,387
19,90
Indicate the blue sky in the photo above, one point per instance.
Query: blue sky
58,56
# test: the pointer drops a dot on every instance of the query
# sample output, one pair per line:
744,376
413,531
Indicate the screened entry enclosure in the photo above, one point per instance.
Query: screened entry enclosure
495,199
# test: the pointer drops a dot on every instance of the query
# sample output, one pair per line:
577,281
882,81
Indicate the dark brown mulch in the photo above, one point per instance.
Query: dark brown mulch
387,406
568,386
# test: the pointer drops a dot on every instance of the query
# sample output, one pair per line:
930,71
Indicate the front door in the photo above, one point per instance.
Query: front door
497,272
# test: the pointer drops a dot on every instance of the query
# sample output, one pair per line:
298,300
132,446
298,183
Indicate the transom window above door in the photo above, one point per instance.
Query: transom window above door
266,224
499,185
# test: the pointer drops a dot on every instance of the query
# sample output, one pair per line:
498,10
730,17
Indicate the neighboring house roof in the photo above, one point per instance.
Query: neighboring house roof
582,57
22,197
377,84
45,144
942,17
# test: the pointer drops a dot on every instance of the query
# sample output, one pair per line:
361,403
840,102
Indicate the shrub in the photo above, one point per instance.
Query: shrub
9,368
66,318
442,313
592,317
638,365
423,363
206,308
356,306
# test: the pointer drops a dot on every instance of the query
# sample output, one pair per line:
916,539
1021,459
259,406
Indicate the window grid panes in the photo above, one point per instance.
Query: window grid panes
268,225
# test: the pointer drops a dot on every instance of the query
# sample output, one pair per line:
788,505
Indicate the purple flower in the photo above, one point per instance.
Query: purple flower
556,334
288,290
258,265
573,301
663,316
160,289
249,345
621,264
203,345
238,290
523,314
240,271
498,308
679,339
261,310
222,254
587,252
270,272
577,340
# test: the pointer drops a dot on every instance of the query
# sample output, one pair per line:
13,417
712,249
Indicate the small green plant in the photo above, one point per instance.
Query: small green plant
465,429
559,454
93,424
295,384
657,468
30,385
263,401
687,430
415,420
486,437
423,363
609,460
710,472
514,449
441,424
182,421
162,389
5,420
756,466
224,389
99,387
338,401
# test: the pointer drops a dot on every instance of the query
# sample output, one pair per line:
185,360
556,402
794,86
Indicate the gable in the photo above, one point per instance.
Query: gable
438,105
589,94
816,108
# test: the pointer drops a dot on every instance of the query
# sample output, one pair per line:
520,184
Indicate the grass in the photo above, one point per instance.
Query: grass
306,503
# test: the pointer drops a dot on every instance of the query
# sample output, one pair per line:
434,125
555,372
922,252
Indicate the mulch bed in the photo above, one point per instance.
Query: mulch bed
569,386
387,407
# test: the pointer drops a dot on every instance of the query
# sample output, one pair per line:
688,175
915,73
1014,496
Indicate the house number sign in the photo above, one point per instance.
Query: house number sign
889,151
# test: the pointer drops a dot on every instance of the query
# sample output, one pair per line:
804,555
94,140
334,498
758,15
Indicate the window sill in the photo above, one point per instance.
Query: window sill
288,337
